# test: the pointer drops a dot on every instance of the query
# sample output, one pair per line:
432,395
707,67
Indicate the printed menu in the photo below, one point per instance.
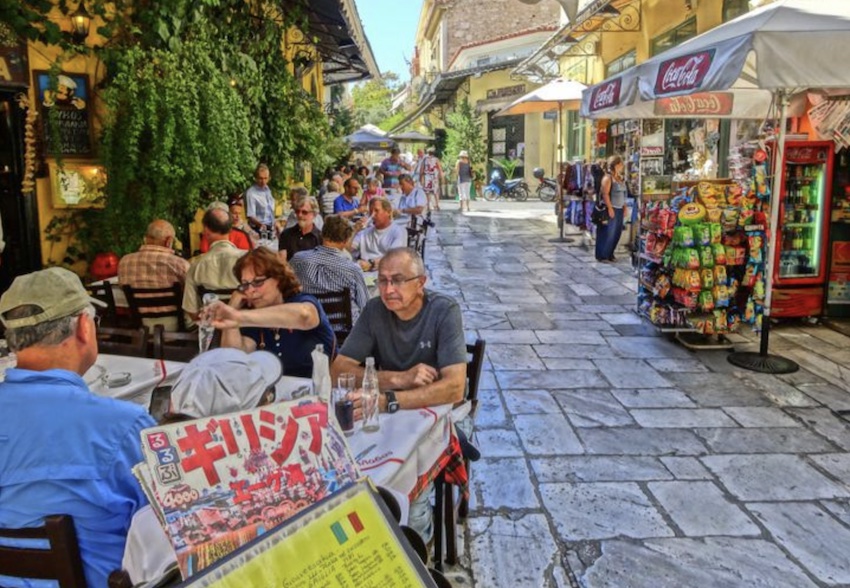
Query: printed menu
216,483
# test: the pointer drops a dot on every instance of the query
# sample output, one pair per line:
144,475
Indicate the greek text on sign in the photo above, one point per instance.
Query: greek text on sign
606,95
683,73
651,151
505,92
700,104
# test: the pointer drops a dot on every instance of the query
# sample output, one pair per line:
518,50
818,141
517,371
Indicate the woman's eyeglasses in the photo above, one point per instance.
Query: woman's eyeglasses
255,283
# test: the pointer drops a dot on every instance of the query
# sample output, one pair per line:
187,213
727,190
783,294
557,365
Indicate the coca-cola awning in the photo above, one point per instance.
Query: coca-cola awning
610,96
787,45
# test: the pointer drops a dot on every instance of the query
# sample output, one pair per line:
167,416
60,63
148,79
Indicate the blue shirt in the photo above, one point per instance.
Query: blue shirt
341,204
64,450
293,347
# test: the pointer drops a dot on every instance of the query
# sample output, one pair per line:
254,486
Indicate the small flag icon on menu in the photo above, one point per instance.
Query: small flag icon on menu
346,527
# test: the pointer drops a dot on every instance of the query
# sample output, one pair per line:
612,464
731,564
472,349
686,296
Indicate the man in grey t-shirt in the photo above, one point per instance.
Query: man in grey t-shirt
416,337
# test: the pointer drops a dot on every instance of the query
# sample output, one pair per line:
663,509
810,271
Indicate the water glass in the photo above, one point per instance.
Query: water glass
345,381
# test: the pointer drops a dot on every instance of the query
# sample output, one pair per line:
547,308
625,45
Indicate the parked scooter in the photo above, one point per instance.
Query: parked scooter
501,188
547,190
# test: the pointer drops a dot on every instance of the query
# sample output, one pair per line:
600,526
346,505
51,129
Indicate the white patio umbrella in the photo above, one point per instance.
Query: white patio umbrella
783,48
560,93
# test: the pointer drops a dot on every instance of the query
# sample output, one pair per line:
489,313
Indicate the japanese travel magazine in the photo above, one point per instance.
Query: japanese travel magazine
216,483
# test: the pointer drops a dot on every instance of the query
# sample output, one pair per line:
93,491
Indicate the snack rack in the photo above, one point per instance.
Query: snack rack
701,253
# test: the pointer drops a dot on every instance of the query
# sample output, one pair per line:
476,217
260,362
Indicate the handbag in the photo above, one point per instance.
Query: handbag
599,215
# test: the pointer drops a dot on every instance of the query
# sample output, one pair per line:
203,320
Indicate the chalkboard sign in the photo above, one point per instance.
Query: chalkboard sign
65,101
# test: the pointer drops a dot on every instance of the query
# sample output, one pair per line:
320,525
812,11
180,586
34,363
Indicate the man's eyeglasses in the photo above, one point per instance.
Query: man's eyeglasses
397,281
256,283
301,211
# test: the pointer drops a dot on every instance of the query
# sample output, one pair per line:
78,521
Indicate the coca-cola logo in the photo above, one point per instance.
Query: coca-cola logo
683,73
605,95
699,104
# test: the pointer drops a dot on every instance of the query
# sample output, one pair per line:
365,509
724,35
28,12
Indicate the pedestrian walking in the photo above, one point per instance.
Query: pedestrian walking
464,174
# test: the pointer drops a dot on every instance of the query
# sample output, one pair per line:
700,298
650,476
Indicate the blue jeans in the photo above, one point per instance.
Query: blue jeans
607,236
421,515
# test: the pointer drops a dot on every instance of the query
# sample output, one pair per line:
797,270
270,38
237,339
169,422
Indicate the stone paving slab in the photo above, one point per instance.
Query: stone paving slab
503,483
550,379
622,441
837,464
716,514
499,443
600,510
508,552
631,373
593,408
531,402
654,398
816,539
692,563
491,411
566,337
571,351
547,434
826,423
772,477
565,363
760,416
599,469
773,440
679,365
686,468
513,357
681,418
647,347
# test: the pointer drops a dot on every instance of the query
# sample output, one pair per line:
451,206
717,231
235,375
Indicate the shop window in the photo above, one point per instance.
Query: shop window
673,37
621,64
576,135
734,8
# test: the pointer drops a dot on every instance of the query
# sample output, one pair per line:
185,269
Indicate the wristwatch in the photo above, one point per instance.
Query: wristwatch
392,403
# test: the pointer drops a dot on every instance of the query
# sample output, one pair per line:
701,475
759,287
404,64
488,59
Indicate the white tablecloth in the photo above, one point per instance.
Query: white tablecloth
145,375
407,446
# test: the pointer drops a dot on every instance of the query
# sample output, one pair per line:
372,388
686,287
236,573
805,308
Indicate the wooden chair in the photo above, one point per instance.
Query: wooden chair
103,292
175,346
223,294
61,562
144,303
119,341
337,306
447,508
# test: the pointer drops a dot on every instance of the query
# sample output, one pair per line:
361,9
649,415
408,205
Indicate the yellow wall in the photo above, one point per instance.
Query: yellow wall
540,134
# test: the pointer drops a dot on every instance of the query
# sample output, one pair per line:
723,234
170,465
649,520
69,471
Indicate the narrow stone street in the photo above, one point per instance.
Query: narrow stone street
614,457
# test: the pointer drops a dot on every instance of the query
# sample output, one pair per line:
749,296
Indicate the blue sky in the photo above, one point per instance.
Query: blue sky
390,27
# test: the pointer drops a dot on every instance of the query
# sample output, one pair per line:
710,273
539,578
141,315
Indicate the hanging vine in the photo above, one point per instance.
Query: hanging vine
196,93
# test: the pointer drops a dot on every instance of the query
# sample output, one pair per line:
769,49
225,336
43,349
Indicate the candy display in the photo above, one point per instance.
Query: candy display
703,253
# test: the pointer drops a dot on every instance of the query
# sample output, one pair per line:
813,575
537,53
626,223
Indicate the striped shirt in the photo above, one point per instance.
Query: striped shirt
326,269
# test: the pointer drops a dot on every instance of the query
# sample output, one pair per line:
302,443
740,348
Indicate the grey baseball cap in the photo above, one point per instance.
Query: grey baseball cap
58,292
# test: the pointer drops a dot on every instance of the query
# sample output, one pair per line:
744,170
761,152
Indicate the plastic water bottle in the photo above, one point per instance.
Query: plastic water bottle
371,422
322,375
205,329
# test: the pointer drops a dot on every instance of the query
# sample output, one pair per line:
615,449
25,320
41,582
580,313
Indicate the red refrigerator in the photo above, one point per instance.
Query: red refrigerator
799,274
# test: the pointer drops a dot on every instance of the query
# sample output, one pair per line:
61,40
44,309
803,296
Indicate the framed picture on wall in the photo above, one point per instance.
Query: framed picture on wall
77,185
65,110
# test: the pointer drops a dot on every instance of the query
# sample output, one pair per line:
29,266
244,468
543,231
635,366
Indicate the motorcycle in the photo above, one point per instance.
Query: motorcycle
547,190
502,188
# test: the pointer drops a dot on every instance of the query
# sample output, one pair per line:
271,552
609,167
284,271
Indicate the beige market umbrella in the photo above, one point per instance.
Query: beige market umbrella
560,93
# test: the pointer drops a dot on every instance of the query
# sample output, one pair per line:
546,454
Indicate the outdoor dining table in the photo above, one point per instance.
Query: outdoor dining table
145,374
408,451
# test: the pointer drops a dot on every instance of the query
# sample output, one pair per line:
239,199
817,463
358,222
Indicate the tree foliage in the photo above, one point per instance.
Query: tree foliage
197,92
464,132
373,99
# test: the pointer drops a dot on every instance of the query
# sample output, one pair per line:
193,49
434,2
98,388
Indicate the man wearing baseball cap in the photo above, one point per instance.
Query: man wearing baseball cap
64,450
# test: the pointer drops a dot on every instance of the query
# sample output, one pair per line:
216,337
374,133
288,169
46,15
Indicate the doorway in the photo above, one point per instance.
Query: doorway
18,212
